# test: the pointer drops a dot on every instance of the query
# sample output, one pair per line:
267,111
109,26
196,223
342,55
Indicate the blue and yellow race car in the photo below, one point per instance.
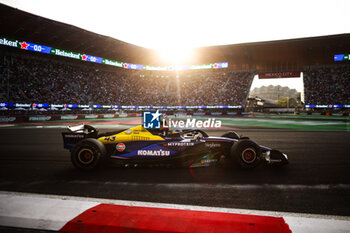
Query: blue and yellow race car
138,146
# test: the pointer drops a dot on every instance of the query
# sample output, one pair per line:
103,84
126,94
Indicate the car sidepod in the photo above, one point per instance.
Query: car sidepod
211,152
195,153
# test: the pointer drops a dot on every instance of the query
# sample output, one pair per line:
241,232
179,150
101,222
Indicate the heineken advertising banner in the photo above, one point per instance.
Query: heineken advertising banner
89,58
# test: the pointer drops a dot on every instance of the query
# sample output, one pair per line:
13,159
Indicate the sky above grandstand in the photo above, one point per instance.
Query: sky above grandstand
181,24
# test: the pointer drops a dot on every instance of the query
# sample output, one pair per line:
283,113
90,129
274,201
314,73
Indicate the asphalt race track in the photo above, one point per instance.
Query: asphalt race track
317,180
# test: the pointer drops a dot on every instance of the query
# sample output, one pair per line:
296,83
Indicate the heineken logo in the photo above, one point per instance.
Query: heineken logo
83,57
66,54
112,63
8,42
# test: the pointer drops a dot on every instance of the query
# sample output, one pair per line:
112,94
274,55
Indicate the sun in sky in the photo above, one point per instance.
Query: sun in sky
176,55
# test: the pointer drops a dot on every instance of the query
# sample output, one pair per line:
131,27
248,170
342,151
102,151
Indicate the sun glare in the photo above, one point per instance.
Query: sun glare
176,55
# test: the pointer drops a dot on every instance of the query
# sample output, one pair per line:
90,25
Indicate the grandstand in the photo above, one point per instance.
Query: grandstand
327,84
49,81
29,78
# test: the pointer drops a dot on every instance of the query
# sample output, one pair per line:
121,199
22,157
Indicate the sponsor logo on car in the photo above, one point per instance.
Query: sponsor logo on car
211,145
180,144
207,161
135,131
159,152
120,147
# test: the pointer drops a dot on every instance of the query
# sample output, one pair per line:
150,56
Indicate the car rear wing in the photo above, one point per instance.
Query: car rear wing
77,133
70,139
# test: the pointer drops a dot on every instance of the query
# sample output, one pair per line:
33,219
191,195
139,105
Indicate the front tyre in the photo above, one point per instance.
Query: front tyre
87,154
246,154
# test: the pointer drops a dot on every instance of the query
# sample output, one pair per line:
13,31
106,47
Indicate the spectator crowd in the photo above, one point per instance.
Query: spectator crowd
26,80
327,85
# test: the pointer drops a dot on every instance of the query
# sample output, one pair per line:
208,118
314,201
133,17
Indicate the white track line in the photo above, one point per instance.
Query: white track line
39,212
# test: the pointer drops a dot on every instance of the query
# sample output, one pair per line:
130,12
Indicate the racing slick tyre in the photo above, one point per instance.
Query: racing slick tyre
246,154
87,154
231,134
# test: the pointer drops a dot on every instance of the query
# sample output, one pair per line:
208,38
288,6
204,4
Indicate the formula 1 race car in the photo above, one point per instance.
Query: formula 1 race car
139,146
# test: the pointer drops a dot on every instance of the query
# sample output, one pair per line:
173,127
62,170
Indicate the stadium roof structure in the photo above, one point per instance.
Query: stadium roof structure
272,56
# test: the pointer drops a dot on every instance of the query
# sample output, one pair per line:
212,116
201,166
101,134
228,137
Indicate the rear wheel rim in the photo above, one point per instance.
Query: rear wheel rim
248,155
86,156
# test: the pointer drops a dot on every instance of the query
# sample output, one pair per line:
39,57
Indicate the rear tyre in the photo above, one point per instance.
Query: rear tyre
246,154
87,154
